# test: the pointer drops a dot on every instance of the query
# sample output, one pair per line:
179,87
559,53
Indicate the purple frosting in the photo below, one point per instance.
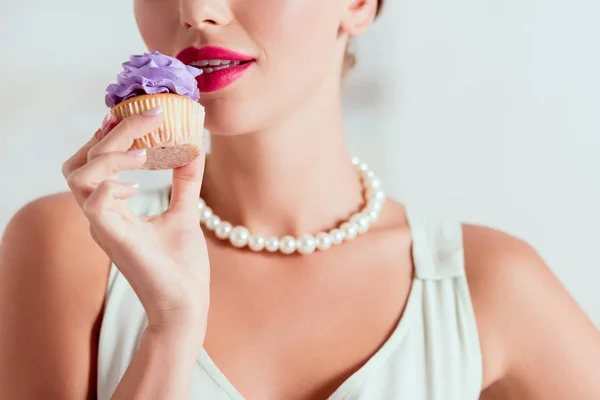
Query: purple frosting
152,73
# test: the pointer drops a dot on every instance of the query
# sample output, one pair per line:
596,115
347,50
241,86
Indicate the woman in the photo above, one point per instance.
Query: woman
108,304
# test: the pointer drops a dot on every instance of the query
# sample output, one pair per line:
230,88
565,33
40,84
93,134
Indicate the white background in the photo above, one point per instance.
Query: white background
484,110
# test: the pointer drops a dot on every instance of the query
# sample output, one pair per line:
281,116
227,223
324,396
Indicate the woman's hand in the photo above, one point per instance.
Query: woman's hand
164,258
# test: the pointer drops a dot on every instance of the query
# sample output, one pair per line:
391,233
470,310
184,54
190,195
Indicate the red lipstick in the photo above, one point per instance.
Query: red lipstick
221,67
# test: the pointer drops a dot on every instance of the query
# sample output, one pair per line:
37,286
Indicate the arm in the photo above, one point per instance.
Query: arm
162,367
51,294
52,290
539,343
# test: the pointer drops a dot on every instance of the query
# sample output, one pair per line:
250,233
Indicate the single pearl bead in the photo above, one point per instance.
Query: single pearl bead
287,245
256,242
378,195
337,236
239,236
373,215
350,230
324,241
355,160
374,183
306,244
370,175
364,167
376,205
205,214
272,244
373,205
223,230
362,222
212,222
201,204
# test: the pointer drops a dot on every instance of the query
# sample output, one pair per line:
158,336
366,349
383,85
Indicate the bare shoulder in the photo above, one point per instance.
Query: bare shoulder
54,231
51,295
536,341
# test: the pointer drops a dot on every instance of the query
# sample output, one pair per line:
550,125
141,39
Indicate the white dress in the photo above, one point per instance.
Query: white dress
433,353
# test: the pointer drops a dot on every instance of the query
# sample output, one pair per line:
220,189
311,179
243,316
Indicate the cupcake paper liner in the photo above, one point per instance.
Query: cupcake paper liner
183,121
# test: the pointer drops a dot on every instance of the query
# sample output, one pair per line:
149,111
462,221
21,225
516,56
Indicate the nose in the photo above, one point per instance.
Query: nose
199,14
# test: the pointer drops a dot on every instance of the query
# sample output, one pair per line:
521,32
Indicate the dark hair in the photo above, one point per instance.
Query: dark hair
349,57
379,7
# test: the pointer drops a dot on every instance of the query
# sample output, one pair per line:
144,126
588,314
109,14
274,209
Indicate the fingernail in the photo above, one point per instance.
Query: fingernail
105,120
137,152
152,112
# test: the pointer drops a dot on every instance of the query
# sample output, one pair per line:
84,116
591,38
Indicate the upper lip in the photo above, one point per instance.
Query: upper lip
191,54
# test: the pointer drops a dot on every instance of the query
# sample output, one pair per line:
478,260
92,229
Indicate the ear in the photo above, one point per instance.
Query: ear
358,16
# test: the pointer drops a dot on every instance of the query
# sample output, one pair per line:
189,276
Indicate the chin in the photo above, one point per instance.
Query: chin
227,119
228,116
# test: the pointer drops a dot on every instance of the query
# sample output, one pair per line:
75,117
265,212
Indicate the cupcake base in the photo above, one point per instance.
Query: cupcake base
171,156
178,139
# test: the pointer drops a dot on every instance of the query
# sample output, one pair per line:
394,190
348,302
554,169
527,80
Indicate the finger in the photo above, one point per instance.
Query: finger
187,182
80,157
122,136
106,210
85,179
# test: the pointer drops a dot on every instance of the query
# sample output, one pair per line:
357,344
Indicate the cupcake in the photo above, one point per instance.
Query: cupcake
153,79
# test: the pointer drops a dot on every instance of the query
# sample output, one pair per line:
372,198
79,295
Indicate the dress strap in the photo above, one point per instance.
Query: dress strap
437,247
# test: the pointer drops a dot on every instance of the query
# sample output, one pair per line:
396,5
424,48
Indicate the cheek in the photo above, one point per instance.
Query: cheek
158,23
299,40
296,30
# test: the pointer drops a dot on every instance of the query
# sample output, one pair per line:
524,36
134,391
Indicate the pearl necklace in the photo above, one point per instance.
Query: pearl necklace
358,223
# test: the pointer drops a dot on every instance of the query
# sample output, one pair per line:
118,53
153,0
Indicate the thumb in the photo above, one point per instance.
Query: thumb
187,181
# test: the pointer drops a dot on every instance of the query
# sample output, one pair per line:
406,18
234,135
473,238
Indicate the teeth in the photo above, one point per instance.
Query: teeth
209,66
213,69
202,63
214,63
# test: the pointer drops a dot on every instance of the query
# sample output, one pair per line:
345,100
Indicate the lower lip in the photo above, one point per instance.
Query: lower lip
220,79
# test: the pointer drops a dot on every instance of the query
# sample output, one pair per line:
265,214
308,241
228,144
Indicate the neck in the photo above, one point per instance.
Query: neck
295,178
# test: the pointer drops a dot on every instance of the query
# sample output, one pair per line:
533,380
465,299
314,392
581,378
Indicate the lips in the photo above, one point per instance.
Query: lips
221,67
